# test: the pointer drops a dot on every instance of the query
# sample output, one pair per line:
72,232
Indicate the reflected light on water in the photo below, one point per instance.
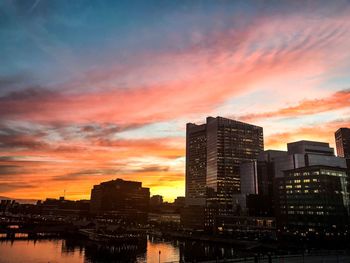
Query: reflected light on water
169,253
36,251
43,251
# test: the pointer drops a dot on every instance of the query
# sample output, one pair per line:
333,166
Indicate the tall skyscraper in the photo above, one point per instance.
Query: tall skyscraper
214,151
342,141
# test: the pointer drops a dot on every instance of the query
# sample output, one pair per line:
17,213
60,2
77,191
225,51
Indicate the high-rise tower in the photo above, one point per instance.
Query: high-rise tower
214,151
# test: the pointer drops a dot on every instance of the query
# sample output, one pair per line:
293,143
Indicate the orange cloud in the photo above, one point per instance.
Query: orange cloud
336,101
76,166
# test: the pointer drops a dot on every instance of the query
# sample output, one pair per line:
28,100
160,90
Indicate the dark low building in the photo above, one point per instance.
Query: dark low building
155,203
248,227
180,202
63,207
156,200
125,200
312,200
193,217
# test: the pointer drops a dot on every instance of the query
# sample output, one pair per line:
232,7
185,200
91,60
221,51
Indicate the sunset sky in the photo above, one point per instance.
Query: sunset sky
97,90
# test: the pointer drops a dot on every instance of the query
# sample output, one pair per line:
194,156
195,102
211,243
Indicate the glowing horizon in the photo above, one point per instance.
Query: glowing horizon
96,91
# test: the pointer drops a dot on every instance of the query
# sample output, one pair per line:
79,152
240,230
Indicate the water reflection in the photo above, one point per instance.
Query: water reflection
199,251
80,250
95,252
36,251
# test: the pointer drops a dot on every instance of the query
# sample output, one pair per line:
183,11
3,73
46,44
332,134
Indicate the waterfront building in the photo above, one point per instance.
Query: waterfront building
309,194
64,207
214,151
312,200
126,200
164,218
261,180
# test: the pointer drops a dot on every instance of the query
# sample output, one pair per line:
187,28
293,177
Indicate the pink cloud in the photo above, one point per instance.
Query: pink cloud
336,101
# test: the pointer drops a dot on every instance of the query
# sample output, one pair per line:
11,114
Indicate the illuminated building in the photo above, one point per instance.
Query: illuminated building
268,186
312,200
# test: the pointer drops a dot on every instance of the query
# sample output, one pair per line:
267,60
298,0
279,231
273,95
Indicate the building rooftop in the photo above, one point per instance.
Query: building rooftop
310,147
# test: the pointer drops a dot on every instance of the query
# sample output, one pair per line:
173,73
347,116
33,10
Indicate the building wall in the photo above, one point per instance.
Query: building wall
310,147
212,154
342,141
96,199
196,164
249,178
193,217
288,162
326,160
229,144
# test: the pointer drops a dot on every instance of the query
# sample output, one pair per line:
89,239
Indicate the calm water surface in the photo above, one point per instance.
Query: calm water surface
74,251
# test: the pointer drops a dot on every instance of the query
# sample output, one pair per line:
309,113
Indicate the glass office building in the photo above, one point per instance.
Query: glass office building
214,152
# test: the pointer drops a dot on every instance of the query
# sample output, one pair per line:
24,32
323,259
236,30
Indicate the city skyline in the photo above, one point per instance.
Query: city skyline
99,91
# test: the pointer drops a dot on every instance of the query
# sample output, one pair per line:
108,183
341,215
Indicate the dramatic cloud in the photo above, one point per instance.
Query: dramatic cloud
89,94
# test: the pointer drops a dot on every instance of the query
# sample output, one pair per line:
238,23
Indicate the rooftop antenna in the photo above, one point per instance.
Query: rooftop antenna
64,194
